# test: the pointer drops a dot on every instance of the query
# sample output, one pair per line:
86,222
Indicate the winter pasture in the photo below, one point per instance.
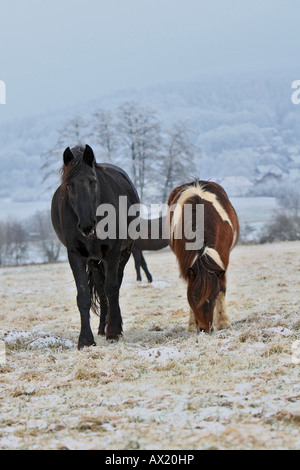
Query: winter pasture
160,387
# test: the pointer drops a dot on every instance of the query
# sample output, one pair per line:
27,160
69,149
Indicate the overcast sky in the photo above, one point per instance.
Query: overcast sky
60,52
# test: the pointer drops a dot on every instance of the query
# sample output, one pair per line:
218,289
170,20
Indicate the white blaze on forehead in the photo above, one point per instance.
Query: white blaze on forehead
214,255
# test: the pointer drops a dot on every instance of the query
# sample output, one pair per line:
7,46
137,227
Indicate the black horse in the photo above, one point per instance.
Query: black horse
148,244
97,264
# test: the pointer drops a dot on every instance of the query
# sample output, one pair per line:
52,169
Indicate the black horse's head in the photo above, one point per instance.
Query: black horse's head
82,185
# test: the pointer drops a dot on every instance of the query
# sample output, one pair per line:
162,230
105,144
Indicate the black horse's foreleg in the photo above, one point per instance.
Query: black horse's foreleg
78,266
113,281
114,318
98,273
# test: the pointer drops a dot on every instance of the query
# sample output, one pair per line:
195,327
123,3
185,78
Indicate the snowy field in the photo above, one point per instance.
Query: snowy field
21,210
255,211
160,387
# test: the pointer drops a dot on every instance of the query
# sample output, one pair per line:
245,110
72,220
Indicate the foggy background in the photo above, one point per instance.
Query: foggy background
221,71
55,54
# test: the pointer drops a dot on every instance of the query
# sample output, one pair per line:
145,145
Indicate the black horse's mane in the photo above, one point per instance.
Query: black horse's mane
74,167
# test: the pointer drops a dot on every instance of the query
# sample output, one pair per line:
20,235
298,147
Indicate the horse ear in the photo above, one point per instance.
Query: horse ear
89,156
68,156
191,275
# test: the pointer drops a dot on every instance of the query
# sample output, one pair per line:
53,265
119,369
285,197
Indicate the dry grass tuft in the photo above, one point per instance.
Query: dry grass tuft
160,387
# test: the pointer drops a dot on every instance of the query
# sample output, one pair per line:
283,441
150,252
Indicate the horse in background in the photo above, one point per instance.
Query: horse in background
148,244
97,264
204,269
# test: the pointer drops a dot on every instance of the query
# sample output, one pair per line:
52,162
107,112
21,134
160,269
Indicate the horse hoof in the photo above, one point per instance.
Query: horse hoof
113,338
223,325
85,343
101,331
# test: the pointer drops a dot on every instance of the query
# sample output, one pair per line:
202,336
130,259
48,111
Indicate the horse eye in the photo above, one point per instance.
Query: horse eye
93,183
196,299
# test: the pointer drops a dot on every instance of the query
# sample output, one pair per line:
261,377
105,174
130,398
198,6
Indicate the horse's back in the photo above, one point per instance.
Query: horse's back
121,178
221,226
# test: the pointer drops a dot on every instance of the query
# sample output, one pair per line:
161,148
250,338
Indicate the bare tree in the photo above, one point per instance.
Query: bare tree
289,199
13,243
284,227
179,154
40,224
140,130
104,133
71,134
133,137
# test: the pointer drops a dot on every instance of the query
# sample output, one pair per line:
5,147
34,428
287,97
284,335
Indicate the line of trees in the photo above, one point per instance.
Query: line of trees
133,137
32,240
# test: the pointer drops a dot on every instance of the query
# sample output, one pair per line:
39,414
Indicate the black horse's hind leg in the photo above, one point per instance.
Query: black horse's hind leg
125,255
145,268
140,261
78,266
137,254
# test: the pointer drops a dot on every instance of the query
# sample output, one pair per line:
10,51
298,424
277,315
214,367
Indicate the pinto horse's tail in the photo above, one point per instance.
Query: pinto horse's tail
95,299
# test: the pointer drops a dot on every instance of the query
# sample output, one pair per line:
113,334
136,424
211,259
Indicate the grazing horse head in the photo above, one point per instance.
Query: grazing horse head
204,284
81,183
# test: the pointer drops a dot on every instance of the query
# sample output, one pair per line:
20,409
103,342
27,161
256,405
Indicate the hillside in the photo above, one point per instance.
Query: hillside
247,127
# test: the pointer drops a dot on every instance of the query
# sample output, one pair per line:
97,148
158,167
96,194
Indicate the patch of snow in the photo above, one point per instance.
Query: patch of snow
215,413
160,284
162,355
279,330
37,340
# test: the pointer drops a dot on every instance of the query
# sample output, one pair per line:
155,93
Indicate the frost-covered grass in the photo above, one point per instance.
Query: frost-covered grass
160,387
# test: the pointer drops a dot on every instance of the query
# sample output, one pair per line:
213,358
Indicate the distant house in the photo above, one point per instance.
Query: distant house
268,174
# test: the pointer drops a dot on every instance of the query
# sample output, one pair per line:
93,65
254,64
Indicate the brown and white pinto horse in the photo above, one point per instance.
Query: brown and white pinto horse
204,269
